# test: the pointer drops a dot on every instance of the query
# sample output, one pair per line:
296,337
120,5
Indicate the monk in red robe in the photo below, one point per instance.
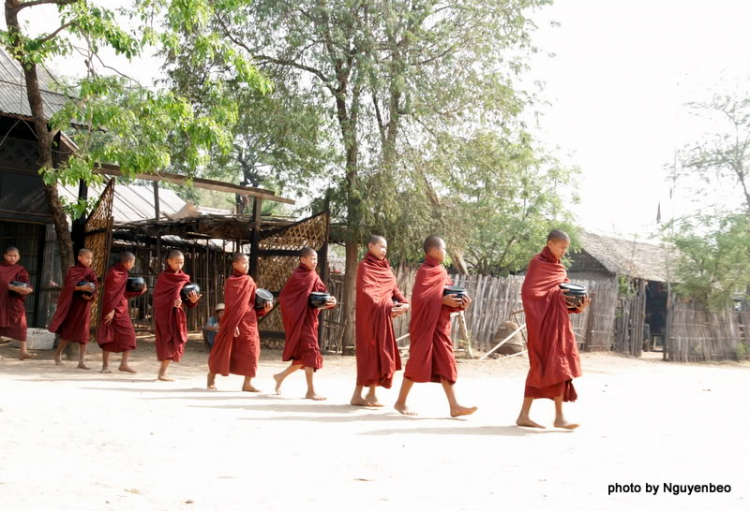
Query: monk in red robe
73,314
553,351
301,321
12,298
431,357
236,348
170,321
116,333
378,302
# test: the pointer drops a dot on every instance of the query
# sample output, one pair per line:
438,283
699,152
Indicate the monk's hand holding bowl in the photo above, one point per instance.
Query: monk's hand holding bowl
21,290
466,302
268,306
584,303
452,301
193,296
331,303
178,303
571,300
145,288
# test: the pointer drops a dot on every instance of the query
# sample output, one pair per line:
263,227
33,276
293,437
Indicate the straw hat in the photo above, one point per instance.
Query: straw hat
219,307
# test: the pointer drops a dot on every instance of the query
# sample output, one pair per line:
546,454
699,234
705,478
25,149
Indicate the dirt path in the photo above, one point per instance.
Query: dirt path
82,440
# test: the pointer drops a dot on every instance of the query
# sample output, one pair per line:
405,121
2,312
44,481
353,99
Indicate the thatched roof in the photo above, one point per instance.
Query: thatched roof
622,256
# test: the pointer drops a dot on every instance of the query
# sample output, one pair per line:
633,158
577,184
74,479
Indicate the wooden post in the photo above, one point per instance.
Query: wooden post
157,211
255,238
78,229
323,265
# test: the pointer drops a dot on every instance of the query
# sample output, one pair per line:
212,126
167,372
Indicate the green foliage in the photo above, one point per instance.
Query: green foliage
713,263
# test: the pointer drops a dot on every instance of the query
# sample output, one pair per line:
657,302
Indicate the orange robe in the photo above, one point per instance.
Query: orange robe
300,320
237,354
118,335
377,352
553,351
72,317
431,357
12,306
170,322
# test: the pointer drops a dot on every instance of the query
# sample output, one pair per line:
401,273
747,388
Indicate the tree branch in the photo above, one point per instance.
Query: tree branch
52,35
42,2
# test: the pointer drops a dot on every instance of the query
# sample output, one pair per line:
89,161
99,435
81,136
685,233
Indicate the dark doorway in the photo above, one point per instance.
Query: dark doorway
29,239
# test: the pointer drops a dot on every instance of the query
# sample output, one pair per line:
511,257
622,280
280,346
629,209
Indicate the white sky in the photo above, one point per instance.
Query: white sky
618,85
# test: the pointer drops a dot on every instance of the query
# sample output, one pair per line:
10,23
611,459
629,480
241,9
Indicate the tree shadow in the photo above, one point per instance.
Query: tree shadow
294,407
114,380
338,419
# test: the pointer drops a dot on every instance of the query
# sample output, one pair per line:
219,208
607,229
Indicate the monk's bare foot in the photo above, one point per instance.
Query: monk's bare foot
278,379
371,400
211,381
358,401
81,365
525,422
314,396
404,410
127,369
106,370
562,423
164,377
26,355
460,411
249,388
58,359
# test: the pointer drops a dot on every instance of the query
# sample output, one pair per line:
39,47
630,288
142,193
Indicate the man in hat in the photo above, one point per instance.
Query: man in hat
212,326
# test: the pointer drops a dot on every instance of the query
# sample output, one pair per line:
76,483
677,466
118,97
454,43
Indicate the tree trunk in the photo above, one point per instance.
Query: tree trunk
44,137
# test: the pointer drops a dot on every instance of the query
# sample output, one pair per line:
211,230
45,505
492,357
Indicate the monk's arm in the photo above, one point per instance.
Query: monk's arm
399,296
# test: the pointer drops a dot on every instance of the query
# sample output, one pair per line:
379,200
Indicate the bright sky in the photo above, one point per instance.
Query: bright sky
618,85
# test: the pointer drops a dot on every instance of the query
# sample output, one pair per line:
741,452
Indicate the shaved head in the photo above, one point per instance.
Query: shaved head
431,242
85,251
374,239
307,252
126,256
175,253
558,235
238,256
8,250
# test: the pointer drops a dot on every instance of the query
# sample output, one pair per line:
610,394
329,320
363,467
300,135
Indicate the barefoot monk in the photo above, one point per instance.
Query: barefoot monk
553,352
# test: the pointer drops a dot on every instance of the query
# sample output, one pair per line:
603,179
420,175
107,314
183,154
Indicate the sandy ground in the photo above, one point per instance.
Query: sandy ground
80,440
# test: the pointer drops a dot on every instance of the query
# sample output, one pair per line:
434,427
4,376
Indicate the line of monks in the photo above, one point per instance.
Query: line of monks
553,352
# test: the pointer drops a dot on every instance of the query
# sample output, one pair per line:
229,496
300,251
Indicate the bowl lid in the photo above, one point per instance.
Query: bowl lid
573,287
455,289
265,294
319,293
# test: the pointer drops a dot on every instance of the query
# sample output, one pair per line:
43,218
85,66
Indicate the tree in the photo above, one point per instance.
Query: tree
391,77
138,121
713,264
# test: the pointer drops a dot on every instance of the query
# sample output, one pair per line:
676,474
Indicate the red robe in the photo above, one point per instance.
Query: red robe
12,309
553,351
431,356
301,320
170,322
73,314
377,352
118,335
237,355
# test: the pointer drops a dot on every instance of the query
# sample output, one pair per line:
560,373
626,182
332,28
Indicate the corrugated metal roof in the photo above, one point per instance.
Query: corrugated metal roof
13,98
132,202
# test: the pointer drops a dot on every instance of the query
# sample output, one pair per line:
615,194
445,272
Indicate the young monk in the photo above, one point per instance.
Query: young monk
236,348
12,298
170,321
377,294
301,321
431,356
73,314
116,333
553,351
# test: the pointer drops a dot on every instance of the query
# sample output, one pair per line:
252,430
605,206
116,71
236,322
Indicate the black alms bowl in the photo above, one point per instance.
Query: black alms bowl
15,283
187,289
262,297
135,284
455,290
318,299
576,291
86,293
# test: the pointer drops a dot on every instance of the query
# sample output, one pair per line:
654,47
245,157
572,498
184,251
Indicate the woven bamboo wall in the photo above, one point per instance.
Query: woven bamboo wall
98,240
697,334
